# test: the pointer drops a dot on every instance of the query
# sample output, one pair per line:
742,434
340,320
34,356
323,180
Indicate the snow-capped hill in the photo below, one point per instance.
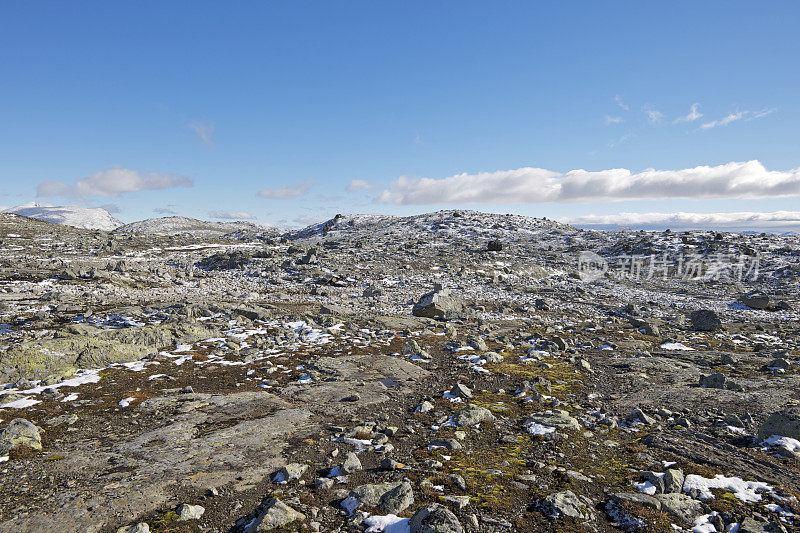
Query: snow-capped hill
186,225
68,215
453,224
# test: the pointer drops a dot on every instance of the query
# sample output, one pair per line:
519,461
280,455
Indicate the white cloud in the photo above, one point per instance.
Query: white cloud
204,131
654,116
226,215
738,115
613,120
285,192
762,113
775,221
537,185
359,185
620,140
164,211
732,117
620,103
692,116
113,182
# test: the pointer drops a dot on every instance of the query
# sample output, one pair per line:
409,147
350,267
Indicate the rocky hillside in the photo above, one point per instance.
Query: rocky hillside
449,372
187,226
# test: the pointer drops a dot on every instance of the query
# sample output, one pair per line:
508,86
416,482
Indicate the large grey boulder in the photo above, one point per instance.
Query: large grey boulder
785,423
755,300
568,504
190,512
682,506
275,514
705,320
20,432
391,498
441,305
719,381
558,419
673,480
435,518
636,498
472,415
290,472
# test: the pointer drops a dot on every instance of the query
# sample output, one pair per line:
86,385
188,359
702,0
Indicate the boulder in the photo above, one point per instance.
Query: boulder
681,506
705,320
472,415
435,518
719,381
566,503
20,432
558,419
190,512
290,472
785,423
636,498
755,300
494,246
441,305
275,514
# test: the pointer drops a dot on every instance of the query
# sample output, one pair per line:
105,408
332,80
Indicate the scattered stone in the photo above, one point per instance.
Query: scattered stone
141,527
435,518
460,390
190,512
289,473
351,463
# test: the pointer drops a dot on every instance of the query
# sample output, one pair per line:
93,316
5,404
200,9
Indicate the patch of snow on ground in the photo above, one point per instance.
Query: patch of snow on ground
793,445
645,487
20,404
539,429
675,346
126,401
744,490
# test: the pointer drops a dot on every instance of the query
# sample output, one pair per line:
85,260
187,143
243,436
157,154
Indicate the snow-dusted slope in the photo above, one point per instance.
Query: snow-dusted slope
69,215
182,225
453,224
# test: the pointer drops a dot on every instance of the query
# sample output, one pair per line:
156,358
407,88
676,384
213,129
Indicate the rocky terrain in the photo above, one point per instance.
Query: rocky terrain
449,372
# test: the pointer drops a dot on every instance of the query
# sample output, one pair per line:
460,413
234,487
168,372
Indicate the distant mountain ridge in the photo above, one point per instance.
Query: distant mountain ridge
176,225
460,224
68,215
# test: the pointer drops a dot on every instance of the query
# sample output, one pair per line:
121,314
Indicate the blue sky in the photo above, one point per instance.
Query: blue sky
196,107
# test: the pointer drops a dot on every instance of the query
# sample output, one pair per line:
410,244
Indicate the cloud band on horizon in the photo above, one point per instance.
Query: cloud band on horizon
527,185
681,220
